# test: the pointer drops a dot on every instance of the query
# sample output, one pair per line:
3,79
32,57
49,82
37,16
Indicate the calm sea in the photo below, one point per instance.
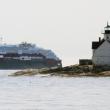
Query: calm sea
53,93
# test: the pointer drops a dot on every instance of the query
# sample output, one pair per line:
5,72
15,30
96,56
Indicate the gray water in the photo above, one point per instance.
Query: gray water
53,93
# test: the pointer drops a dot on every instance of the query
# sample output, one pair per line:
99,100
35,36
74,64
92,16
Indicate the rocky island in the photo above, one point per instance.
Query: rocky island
72,71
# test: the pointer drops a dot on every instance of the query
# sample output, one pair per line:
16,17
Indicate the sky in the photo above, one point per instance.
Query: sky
67,27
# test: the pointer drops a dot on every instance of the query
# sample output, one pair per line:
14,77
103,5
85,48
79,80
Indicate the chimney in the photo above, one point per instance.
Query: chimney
99,39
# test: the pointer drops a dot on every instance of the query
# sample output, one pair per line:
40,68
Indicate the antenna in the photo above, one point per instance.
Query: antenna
107,24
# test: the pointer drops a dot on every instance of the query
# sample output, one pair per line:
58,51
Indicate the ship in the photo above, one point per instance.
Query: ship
27,56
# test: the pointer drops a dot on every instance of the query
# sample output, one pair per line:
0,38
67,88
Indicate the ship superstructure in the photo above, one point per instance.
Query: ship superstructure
26,55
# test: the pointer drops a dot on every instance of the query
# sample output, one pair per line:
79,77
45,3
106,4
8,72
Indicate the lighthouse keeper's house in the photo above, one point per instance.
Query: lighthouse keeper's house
101,49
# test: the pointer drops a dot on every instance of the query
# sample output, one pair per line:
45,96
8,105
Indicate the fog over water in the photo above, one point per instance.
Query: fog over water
43,92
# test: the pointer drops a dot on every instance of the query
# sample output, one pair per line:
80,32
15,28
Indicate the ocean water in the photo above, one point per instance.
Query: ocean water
53,93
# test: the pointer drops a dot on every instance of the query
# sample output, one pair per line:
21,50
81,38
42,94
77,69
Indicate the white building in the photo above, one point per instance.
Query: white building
101,49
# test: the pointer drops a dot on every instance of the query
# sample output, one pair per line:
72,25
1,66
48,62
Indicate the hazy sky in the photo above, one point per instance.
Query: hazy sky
66,26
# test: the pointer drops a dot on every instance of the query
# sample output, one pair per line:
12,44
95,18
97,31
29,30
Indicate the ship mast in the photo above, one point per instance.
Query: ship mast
1,40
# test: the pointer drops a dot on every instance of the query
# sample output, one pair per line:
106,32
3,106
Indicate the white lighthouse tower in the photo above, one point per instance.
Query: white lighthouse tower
101,49
107,32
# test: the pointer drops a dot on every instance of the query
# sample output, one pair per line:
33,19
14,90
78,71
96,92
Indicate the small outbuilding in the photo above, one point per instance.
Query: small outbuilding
85,62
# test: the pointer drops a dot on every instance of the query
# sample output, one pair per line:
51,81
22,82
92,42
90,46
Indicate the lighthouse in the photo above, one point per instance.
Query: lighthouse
101,49
107,32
